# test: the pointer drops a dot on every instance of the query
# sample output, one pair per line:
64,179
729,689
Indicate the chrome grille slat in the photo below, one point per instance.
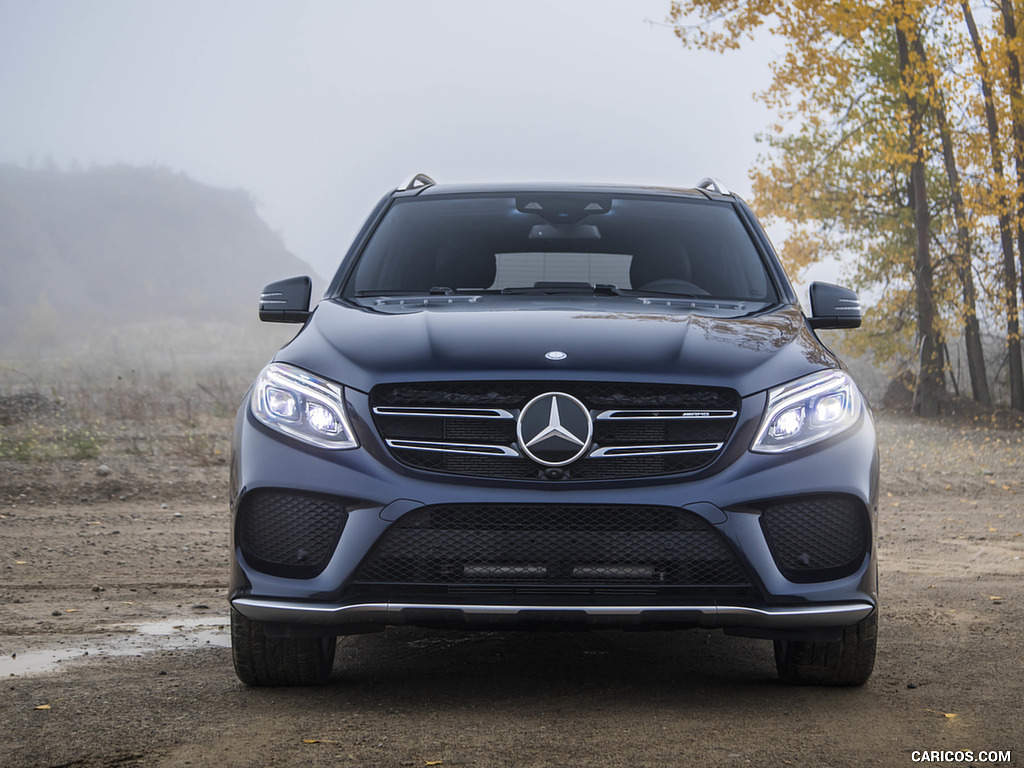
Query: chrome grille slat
473,449
445,413
622,451
628,415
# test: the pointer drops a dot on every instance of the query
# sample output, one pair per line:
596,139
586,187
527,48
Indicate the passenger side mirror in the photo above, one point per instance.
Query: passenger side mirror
286,301
834,307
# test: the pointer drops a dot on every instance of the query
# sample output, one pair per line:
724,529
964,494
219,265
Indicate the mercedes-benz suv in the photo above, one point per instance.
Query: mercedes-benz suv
555,406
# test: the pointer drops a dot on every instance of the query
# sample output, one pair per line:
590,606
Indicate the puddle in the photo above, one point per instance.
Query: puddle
126,640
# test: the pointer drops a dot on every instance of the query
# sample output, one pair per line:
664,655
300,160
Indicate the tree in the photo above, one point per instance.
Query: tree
1003,212
964,240
876,158
913,76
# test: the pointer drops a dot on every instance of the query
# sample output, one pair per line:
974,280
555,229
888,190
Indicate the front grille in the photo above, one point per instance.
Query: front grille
552,545
469,428
817,539
289,534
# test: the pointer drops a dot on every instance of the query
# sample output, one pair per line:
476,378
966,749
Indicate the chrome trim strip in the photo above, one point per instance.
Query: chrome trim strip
782,617
667,414
620,451
441,412
472,449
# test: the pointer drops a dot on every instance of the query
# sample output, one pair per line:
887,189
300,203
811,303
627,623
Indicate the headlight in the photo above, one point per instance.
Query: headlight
301,405
807,411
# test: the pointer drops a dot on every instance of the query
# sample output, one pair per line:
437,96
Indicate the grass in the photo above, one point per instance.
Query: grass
167,389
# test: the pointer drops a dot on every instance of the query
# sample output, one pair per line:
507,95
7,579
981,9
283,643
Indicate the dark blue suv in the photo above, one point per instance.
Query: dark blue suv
555,406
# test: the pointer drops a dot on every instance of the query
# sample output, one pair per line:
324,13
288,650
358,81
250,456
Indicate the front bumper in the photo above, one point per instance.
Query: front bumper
378,492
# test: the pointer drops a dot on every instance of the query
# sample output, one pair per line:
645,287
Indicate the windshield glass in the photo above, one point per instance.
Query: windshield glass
562,243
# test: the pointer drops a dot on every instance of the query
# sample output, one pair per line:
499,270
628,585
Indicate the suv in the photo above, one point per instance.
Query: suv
555,406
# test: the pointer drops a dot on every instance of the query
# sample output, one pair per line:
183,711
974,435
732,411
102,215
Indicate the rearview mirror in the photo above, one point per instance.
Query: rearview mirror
834,307
286,301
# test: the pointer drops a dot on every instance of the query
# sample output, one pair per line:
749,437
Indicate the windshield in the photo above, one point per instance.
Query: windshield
550,243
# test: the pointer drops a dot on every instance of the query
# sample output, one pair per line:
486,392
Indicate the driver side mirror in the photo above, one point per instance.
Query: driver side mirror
834,307
286,301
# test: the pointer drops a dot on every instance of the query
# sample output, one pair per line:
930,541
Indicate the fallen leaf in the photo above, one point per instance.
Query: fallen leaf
994,597
94,522
435,762
947,715
71,610
42,706
20,562
319,741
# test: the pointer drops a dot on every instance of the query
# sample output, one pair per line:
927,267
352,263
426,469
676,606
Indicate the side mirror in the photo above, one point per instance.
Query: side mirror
286,301
834,307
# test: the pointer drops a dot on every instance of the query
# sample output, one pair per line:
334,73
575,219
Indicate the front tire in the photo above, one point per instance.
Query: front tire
847,661
278,661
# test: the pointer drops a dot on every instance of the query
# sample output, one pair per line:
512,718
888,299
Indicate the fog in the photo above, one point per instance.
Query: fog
318,108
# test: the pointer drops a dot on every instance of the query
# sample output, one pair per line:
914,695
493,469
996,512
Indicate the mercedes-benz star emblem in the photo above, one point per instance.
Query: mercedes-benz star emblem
556,354
554,429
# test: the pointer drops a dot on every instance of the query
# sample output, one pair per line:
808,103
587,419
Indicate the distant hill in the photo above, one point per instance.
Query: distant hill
121,244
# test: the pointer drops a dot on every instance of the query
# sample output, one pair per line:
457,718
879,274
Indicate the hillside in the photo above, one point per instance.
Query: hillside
120,245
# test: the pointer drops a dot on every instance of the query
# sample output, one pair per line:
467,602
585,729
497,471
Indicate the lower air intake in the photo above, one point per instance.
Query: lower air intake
289,534
817,539
547,545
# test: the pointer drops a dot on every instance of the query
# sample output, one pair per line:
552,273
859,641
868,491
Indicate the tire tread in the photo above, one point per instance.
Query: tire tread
848,661
278,661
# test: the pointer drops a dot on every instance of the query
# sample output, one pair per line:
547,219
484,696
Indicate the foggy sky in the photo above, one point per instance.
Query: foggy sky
318,108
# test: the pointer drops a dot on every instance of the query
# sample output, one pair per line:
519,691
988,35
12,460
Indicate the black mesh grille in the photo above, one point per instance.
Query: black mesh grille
513,396
552,545
289,534
817,539
595,394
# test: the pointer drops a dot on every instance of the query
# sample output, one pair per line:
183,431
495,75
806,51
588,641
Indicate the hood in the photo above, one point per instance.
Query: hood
361,347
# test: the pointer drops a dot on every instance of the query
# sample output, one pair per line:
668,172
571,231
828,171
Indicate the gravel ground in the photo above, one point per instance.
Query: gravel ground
113,648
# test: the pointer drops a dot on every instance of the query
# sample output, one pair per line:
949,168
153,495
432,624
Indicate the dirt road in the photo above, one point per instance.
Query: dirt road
145,551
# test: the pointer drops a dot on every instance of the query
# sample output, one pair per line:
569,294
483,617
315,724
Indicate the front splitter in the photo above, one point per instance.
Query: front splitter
271,611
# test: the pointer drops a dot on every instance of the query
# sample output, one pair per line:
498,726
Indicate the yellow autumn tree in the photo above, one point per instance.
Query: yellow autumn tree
877,157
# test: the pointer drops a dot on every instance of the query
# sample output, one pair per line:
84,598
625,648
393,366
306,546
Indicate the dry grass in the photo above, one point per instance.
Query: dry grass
169,389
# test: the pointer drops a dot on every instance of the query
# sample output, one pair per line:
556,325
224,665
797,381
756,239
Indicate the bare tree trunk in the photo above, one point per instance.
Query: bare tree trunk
930,379
1015,366
964,243
1016,116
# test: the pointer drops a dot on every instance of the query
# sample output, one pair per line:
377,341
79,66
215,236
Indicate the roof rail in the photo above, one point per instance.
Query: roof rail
714,185
416,180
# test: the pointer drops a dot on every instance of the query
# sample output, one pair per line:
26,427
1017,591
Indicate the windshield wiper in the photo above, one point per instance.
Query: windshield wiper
551,288
435,291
